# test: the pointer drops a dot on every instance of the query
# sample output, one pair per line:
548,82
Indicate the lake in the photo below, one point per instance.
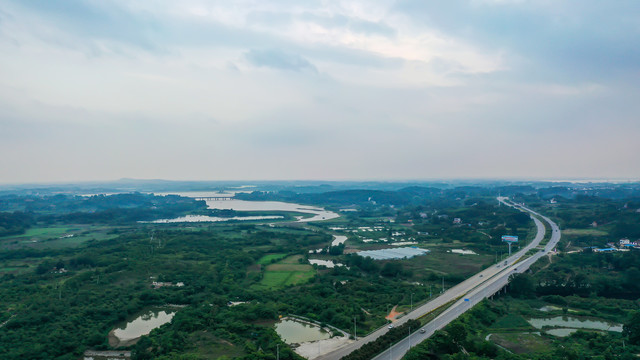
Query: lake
243,205
318,214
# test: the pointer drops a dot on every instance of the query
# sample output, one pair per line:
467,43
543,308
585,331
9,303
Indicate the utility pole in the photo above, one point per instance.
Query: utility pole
411,302
443,284
430,286
277,351
355,329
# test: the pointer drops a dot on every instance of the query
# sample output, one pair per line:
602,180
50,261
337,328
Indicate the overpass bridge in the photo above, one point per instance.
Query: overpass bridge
214,198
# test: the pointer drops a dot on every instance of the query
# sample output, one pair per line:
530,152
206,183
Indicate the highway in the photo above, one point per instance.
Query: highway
474,289
482,291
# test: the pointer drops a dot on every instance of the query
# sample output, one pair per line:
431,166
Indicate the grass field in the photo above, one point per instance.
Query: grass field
43,232
441,262
521,343
276,279
267,259
512,322
288,271
207,346
58,236
583,232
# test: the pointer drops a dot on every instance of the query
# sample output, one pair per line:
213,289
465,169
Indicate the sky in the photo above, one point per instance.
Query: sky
325,90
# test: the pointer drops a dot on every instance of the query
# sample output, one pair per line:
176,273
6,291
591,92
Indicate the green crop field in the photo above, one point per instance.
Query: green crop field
276,279
289,271
521,343
441,262
593,232
512,322
267,259
55,237
42,232
295,259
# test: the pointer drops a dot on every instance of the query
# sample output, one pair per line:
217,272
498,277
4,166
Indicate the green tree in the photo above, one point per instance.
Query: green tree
521,285
632,329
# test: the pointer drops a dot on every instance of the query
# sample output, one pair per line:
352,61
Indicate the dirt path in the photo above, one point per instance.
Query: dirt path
393,314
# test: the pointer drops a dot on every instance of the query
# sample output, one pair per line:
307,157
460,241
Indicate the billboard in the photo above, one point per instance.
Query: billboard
509,238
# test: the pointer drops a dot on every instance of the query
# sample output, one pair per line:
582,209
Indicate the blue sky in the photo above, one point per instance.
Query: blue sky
94,90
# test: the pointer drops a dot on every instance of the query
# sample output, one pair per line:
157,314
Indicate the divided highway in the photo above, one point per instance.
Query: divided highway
468,293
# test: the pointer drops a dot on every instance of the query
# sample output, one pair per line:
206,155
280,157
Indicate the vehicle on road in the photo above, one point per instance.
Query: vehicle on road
390,326
422,331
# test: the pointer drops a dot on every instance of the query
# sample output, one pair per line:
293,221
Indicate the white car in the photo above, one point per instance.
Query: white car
390,326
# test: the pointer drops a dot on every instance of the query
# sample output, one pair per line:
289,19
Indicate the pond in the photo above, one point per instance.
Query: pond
394,253
142,324
338,240
328,263
574,322
295,332
561,332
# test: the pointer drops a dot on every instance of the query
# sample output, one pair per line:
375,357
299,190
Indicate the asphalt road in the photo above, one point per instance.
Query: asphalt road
474,289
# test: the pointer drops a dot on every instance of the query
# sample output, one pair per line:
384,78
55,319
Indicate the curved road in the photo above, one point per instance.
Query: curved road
484,290
474,289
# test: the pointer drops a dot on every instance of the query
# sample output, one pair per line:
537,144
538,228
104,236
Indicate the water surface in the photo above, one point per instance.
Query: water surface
574,322
295,332
561,332
243,205
204,218
143,324
338,239
328,263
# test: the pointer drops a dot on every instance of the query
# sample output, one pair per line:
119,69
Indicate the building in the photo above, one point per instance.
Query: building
605,250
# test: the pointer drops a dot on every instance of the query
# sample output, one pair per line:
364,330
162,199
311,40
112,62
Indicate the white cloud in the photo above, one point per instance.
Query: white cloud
336,89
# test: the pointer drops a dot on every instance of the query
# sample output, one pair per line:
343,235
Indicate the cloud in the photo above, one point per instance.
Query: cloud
399,89
573,40
278,59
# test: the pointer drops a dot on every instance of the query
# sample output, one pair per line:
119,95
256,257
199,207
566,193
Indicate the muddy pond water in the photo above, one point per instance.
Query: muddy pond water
295,332
139,325
566,325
